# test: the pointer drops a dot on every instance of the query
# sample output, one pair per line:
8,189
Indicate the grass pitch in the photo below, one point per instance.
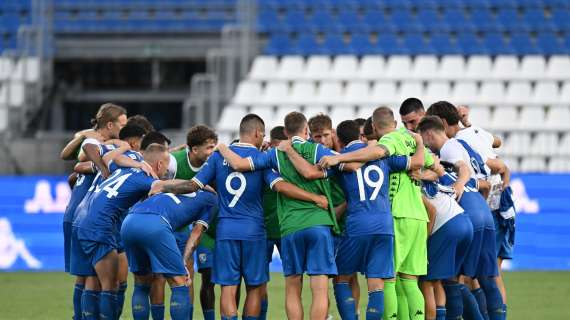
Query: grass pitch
531,295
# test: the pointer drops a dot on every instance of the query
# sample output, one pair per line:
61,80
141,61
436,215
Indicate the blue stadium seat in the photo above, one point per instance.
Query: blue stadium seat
295,20
522,44
377,21
536,20
431,4
457,21
495,44
484,21
442,44
511,21
268,21
416,44
549,43
279,44
324,21
335,45
389,44
351,22
561,20
431,22
360,44
404,21
307,45
470,44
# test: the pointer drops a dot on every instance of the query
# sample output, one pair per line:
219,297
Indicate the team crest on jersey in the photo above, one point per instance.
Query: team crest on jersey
202,257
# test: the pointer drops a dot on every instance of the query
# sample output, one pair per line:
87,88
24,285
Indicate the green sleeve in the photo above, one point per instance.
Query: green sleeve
428,158
389,142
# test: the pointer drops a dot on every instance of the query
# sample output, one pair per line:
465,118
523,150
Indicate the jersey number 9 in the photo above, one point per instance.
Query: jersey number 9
237,193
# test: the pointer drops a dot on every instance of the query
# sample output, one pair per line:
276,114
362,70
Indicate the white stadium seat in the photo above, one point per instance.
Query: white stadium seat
519,93
452,67
532,164
3,94
564,148
6,67
398,67
506,67
232,114
275,93
465,92
264,68
559,165
558,68
313,110
545,93
27,69
532,117
532,67
341,113
266,113
437,91
371,67
565,93
425,67
357,92
517,143
492,92
3,117
558,118
344,67
330,92
248,92
16,94
505,117
282,111
512,163
478,67
543,143
303,92
410,89
365,111
384,92
318,68
291,67
480,115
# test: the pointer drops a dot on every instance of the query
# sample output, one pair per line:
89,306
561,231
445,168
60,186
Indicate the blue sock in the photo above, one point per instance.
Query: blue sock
157,311
140,303
454,301
470,306
108,305
180,303
344,301
481,302
230,318
264,305
494,298
375,309
90,305
77,293
505,310
440,313
121,298
209,314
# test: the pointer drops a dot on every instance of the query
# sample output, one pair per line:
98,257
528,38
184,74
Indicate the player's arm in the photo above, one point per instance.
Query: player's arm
193,241
431,214
371,152
234,160
463,176
340,210
291,191
418,158
498,166
174,186
70,150
92,152
85,167
72,179
305,169
484,188
115,153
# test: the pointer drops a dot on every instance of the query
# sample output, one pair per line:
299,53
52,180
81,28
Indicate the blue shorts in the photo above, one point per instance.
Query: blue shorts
204,258
448,247
234,259
151,246
371,255
120,244
481,258
79,262
309,251
504,236
95,250
271,244
67,226
182,236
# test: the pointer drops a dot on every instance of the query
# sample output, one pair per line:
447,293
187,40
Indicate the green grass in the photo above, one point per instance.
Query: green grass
532,295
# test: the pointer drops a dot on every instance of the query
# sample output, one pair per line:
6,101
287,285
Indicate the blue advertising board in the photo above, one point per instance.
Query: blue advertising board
31,212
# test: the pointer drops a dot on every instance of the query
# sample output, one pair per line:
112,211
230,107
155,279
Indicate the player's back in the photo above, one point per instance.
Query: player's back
179,210
79,191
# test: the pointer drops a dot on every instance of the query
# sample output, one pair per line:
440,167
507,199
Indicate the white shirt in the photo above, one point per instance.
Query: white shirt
446,208
452,152
480,140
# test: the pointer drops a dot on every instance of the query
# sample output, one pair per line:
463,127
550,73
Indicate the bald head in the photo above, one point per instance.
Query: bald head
157,156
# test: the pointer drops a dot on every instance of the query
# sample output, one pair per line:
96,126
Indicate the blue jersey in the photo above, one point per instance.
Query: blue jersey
129,153
111,200
240,195
83,207
180,210
367,194
80,188
476,161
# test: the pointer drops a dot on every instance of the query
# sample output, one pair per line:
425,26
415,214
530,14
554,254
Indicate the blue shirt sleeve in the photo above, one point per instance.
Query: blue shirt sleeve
265,160
271,177
146,181
208,171
324,151
398,163
210,206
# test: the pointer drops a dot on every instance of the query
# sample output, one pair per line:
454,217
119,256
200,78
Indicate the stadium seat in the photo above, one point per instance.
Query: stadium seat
470,44
275,93
384,93
505,118
437,91
344,67
480,115
549,43
465,92
341,113
425,67
263,68
518,92
496,44
6,67
537,21
565,92
230,116
558,118
27,69
266,113
357,92
505,67
291,67
318,67
3,117
522,42
510,20
531,117
557,67
330,92
365,112
484,20
564,148
442,44
532,164
280,44
543,143
512,163
545,93
16,93
398,67
3,95
558,165
313,110
452,67
282,111
307,45
478,67
371,67
410,89
303,92
391,45
517,143
491,93
247,93
334,44
532,67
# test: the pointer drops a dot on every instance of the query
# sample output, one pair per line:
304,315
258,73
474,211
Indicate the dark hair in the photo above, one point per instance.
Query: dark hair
411,105
320,122
131,131
348,131
154,137
294,122
141,121
360,121
250,123
108,112
278,133
383,117
430,123
200,134
368,130
446,111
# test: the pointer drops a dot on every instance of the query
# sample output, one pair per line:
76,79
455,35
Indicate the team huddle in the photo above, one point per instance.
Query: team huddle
424,212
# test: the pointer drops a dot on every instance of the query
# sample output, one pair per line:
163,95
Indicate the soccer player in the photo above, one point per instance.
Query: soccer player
412,111
369,136
481,259
240,233
154,137
97,232
369,224
403,298
148,233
